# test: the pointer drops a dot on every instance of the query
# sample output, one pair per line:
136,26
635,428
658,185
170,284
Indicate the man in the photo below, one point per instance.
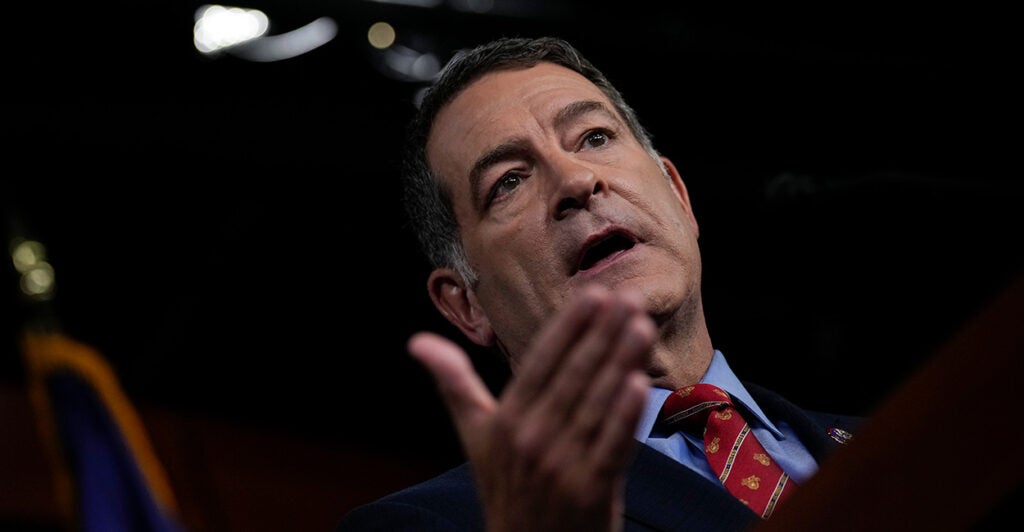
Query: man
562,238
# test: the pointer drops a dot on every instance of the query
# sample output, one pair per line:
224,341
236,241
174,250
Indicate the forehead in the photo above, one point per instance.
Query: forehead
502,105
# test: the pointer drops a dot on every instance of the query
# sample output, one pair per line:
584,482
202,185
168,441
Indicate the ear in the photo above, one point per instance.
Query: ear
680,189
459,305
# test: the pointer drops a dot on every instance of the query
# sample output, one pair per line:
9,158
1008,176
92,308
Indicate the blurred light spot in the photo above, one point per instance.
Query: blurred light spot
425,67
473,6
414,3
37,278
511,8
218,27
381,35
410,65
38,282
290,44
26,254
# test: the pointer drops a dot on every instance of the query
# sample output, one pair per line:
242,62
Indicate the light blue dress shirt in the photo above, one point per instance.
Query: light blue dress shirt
778,439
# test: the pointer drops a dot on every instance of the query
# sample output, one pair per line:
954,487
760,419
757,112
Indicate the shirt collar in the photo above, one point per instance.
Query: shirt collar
720,374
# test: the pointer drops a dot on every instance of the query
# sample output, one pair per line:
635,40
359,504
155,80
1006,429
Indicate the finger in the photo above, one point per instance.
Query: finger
590,470
467,398
549,349
590,357
630,352
615,442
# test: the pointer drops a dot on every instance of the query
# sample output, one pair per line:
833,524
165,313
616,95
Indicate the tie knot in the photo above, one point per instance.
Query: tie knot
688,407
732,450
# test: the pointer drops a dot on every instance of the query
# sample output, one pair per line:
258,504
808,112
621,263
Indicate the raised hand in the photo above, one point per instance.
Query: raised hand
551,453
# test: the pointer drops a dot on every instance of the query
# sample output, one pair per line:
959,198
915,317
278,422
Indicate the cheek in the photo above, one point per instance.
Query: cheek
515,235
518,272
517,256
673,208
680,220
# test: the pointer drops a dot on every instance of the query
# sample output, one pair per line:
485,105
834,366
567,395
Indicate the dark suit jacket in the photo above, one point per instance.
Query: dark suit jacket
661,494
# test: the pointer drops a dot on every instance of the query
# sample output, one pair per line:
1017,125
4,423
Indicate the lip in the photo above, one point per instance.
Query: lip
594,240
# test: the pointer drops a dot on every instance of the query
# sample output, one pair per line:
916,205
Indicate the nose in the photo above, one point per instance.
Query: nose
576,183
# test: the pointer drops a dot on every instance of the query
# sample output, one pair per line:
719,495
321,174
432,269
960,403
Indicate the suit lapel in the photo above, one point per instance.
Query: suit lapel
663,494
812,428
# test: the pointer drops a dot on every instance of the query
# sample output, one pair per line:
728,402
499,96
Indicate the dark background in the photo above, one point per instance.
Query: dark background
229,233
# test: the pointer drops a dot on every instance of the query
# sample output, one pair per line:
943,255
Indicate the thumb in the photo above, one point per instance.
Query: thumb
467,398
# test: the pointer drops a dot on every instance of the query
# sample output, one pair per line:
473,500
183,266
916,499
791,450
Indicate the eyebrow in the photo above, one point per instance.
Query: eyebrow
517,146
573,111
502,152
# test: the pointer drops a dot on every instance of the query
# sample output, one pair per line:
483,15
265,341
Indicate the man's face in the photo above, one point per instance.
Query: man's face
552,192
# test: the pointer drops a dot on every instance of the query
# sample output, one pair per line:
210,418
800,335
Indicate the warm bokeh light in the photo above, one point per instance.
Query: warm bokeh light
26,254
381,35
38,281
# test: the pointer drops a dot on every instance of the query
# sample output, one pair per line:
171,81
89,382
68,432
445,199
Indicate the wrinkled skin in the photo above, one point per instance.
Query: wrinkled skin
589,281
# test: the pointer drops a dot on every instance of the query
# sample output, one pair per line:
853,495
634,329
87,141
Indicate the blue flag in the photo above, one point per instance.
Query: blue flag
108,478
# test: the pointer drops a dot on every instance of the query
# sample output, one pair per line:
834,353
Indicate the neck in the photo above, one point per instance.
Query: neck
683,352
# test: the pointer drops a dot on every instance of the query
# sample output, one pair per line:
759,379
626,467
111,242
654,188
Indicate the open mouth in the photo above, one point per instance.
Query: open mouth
610,245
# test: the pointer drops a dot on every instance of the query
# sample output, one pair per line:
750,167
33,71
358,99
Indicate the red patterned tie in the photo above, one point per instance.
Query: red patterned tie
740,461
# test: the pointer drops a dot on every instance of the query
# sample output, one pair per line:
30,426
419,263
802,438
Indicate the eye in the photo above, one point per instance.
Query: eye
506,184
596,138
